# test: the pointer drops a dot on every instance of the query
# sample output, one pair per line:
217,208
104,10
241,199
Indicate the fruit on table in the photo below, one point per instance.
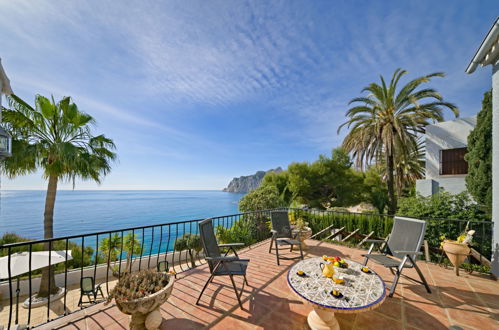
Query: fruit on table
300,272
336,263
342,261
325,257
365,269
336,293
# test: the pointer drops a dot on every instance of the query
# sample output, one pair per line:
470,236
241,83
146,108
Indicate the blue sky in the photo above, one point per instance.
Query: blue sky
195,93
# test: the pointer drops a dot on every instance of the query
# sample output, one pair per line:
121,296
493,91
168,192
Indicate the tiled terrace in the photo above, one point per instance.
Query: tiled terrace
468,301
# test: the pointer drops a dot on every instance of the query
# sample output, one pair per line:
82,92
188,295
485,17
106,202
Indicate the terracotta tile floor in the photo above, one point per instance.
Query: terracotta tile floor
468,301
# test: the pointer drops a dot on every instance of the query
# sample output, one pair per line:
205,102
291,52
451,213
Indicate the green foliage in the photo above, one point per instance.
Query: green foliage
327,182
280,182
262,198
376,191
242,231
447,206
441,206
88,254
76,262
57,138
318,220
189,242
479,156
110,249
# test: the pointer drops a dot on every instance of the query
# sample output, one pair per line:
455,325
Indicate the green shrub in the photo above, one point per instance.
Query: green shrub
242,231
263,198
438,208
191,243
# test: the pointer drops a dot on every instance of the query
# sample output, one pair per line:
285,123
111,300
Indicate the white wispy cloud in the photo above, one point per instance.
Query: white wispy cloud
207,55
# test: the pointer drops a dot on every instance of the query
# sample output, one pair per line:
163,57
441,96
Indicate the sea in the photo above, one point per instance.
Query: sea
87,211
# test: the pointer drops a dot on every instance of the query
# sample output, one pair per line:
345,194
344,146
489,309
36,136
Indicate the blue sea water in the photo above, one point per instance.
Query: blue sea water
83,211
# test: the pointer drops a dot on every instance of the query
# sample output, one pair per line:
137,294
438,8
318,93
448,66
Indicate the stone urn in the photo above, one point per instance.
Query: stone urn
144,312
302,235
456,252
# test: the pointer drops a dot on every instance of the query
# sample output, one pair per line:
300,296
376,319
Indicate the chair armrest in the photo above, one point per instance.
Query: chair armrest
409,252
228,258
273,231
230,244
372,254
374,241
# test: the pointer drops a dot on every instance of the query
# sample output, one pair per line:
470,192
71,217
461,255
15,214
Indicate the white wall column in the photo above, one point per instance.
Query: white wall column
495,169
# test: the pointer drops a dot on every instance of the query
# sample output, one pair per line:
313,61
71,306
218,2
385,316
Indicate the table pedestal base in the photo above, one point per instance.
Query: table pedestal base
320,319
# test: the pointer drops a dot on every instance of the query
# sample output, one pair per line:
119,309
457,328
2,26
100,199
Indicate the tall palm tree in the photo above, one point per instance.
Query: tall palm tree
57,138
409,167
388,120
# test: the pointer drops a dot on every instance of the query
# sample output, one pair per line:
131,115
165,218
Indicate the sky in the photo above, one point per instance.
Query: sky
195,93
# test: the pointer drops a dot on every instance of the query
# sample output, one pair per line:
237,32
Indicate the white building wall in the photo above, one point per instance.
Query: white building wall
495,169
450,134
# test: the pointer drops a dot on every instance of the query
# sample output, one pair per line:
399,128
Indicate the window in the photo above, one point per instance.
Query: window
452,161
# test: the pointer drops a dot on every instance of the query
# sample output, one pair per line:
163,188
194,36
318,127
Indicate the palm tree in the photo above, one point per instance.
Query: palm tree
409,167
57,138
112,247
388,120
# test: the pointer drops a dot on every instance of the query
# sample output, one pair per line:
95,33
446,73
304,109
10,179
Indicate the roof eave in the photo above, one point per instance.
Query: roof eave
484,48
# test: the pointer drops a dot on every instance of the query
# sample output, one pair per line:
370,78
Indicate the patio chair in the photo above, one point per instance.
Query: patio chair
221,265
164,266
282,235
87,288
401,249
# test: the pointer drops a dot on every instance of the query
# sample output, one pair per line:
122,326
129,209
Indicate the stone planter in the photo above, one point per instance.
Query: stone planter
144,311
303,234
456,252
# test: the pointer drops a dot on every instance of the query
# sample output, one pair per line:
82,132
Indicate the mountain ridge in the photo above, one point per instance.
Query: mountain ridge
246,183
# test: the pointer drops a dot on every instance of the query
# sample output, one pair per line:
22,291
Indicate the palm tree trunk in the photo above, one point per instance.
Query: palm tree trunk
48,232
390,182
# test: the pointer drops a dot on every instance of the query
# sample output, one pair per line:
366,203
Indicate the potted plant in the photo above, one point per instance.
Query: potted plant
303,231
140,295
459,249
191,243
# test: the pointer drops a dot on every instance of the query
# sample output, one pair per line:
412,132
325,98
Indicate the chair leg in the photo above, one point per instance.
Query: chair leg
277,253
80,301
291,248
394,284
366,259
246,280
420,275
271,242
301,252
400,268
235,290
204,288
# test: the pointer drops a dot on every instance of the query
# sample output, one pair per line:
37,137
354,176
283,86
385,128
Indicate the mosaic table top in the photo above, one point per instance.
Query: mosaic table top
360,291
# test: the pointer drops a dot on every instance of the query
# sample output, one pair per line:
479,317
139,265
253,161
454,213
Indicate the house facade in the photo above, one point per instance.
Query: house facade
445,168
488,54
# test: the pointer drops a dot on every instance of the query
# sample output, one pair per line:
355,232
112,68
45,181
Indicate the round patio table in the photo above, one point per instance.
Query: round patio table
360,291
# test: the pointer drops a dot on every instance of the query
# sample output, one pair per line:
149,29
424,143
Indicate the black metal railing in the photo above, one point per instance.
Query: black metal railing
107,255
379,226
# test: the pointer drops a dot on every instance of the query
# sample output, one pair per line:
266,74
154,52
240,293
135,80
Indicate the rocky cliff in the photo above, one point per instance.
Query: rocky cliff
244,184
